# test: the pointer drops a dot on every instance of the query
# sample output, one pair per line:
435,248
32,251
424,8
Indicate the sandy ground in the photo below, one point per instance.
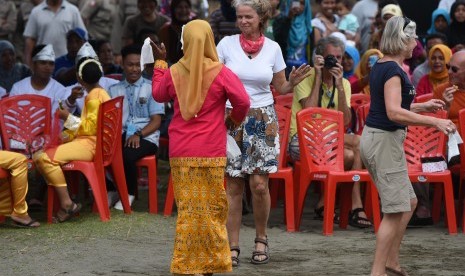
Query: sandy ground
141,244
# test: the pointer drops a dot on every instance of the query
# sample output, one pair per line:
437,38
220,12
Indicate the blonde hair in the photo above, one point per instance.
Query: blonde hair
262,7
395,37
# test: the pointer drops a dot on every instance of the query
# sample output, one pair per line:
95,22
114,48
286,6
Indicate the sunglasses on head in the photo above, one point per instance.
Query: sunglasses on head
454,69
406,22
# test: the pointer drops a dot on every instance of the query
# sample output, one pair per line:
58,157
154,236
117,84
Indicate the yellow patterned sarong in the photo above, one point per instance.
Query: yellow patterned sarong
201,244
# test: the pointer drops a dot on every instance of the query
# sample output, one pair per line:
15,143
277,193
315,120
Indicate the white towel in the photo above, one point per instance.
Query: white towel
146,54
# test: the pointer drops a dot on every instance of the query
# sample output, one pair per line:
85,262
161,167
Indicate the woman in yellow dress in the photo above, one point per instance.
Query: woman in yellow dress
79,137
13,191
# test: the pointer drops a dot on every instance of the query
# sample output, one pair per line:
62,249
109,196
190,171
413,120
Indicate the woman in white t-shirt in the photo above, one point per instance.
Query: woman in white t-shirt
257,61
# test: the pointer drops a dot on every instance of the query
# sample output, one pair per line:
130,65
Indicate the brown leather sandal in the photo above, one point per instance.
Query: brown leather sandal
68,214
257,253
235,259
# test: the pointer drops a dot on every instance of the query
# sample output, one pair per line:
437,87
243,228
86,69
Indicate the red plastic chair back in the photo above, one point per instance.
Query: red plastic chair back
25,118
321,139
110,127
361,113
357,100
284,121
284,100
424,141
424,98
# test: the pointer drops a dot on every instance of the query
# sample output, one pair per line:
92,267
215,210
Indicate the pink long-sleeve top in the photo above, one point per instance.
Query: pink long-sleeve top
204,135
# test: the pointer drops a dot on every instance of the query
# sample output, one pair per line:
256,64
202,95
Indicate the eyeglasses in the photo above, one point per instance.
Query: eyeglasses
406,22
454,69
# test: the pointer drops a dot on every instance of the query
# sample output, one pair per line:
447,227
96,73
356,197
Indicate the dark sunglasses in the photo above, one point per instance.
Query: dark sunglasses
406,22
454,69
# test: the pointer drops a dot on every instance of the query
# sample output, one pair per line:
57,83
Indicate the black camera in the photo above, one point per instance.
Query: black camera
330,61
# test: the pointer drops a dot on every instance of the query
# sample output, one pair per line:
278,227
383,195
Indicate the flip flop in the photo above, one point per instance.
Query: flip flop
25,225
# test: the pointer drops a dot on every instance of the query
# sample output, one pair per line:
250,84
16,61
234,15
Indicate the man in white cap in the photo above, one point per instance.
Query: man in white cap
387,12
40,83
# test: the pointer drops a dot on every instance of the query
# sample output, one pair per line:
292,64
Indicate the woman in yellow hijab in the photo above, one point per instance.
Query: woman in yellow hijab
360,80
438,58
199,85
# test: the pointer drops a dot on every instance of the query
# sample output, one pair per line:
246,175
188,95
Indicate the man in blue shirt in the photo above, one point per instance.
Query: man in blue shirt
65,66
141,118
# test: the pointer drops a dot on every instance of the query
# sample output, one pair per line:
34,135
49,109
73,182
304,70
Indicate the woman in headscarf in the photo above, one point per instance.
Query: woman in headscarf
350,61
359,81
292,31
438,58
10,70
199,85
456,33
79,137
170,34
440,21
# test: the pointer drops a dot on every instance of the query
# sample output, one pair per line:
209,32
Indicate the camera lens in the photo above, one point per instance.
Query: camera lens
330,61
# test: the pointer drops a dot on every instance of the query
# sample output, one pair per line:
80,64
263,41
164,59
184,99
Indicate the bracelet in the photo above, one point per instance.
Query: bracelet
69,104
159,63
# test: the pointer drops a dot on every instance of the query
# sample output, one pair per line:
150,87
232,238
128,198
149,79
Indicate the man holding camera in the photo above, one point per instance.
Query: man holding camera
326,88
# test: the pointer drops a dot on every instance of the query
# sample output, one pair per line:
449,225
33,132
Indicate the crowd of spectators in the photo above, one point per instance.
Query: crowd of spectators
297,26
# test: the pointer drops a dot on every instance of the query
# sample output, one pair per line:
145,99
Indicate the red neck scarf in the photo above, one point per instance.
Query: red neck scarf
250,46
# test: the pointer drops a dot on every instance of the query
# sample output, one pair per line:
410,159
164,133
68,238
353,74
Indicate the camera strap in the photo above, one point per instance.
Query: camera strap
331,98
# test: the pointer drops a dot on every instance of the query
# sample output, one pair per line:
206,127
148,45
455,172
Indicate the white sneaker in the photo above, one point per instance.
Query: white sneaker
119,205
113,197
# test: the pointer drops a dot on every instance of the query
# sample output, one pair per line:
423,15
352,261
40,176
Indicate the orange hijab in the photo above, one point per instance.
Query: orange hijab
194,73
362,68
443,76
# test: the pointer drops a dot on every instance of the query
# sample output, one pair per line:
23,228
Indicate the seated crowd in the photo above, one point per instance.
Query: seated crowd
82,57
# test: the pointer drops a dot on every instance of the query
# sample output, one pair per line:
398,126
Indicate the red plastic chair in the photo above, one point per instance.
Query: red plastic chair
284,172
357,100
27,119
150,162
461,171
321,142
424,141
424,98
107,154
284,100
361,113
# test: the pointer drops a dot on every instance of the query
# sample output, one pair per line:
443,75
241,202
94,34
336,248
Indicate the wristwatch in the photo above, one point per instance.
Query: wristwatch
139,133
